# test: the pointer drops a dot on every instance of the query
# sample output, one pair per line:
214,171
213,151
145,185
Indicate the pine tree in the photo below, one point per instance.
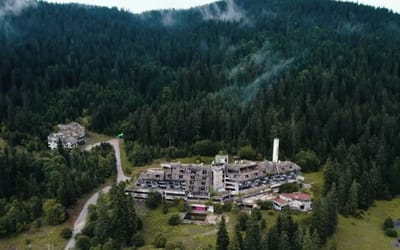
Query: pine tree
253,237
263,225
284,242
309,243
222,236
331,200
273,238
238,236
237,241
352,202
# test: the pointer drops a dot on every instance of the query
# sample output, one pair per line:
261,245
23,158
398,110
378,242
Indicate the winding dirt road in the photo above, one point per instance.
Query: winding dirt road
81,220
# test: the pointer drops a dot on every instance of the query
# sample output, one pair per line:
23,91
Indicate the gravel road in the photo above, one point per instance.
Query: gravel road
81,220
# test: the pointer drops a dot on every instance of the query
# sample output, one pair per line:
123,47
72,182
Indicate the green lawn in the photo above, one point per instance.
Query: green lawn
37,238
316,180
92,137
367,233
195,236
127,166
191,236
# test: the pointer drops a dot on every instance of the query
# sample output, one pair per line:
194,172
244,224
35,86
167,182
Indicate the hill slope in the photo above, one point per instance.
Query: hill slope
321,75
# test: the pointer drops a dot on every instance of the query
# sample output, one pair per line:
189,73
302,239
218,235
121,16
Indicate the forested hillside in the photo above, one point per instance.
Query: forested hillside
323,76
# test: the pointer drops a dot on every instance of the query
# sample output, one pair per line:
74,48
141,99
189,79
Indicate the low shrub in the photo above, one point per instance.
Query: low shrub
391,232
160,241
138,240
174,220
66,233
388,223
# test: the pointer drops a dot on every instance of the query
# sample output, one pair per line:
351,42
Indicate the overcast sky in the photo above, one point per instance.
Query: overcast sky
138,6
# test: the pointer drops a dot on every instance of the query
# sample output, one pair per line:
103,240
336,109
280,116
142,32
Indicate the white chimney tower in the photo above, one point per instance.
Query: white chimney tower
275,150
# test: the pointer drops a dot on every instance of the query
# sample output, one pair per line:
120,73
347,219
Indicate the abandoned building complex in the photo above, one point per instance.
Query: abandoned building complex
71,135
219,181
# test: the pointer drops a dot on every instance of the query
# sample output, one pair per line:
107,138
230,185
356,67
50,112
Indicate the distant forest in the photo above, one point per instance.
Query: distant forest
323,76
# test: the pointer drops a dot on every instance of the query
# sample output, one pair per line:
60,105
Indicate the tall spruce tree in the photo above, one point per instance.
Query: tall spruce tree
237,241
222,235
253,236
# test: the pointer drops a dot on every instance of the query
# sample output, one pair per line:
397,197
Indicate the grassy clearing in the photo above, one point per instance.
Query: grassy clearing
367,233
316,180
127,166
45,237
92,137
191,236
195,236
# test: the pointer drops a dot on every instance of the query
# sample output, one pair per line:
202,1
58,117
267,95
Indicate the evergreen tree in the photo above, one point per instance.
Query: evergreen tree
352,202
222,236
273,238
237,241
309,242
284,242
253,236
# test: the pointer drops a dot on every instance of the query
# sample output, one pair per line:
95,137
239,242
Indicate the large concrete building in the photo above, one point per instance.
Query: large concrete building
240,176
71,135
175,180
221,178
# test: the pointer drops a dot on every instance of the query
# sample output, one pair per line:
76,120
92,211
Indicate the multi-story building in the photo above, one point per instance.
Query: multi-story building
240,176
71,135
223,179
175,180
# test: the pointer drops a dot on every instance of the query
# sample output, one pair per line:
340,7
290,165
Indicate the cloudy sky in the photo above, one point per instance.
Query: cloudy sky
138,6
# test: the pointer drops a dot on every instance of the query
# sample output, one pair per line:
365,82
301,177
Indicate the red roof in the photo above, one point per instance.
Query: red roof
280,201
298,196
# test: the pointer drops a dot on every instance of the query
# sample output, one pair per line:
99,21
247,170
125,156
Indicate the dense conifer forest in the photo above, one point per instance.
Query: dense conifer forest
321,75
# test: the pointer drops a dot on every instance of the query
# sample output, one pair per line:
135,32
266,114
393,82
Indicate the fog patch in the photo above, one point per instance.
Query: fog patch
270,64
350,28
14,7
251,89
230,12
262,57
167,18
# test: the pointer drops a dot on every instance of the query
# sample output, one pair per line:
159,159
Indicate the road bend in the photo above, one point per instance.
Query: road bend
81,220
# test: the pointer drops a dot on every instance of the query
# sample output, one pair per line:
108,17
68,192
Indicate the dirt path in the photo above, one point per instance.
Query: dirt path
81,220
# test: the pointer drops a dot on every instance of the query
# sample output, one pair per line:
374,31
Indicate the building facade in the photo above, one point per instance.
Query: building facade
71,135
297,201
219,181
198,181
